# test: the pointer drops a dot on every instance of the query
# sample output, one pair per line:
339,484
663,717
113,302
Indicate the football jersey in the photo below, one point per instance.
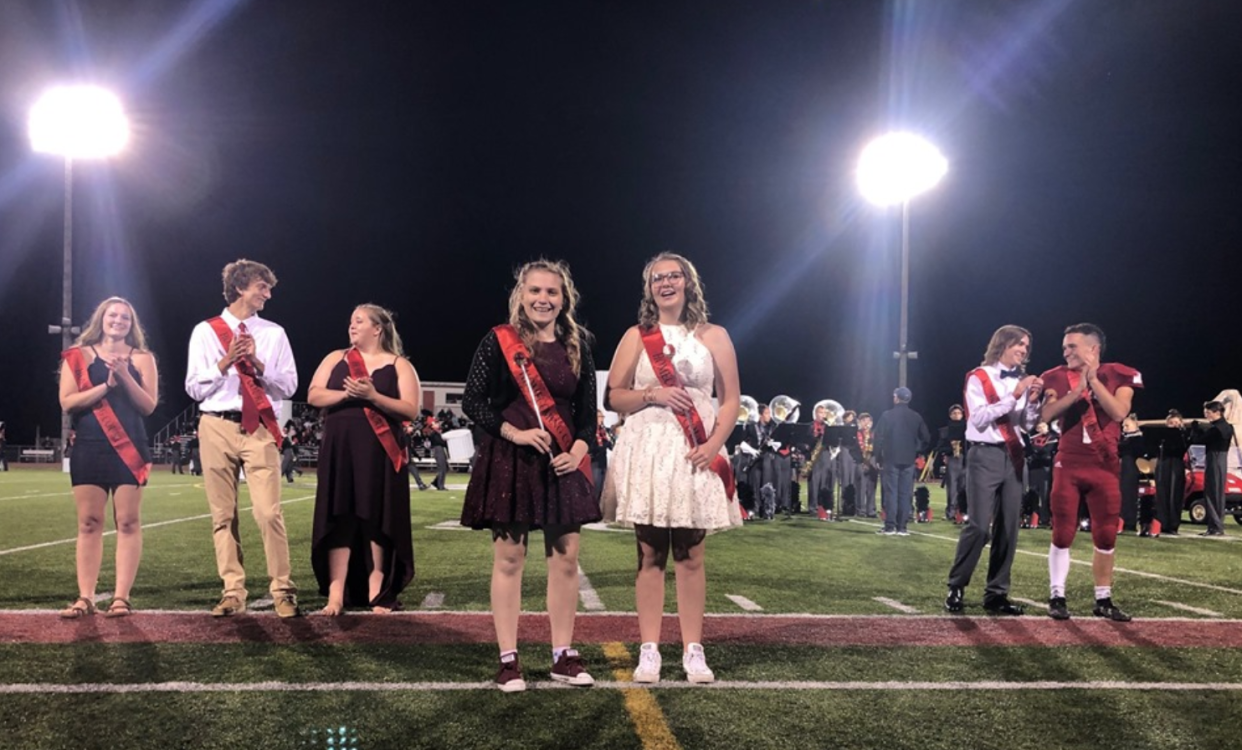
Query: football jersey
1076,441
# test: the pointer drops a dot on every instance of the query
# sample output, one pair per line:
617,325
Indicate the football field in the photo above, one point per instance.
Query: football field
820,635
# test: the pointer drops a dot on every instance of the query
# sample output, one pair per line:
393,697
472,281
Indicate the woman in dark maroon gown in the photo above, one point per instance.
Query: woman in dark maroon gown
528,472
361,549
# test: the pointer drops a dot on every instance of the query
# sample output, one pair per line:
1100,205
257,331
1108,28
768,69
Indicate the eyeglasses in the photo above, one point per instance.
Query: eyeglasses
673,276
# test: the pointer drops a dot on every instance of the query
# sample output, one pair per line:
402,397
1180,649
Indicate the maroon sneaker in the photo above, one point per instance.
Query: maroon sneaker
509,678
569,670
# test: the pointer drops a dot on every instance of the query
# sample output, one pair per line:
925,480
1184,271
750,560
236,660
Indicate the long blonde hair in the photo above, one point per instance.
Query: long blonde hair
93,332
693,314
568,332
389,340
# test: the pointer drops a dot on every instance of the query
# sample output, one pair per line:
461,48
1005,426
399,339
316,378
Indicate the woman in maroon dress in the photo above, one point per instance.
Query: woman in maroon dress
361,548
531,469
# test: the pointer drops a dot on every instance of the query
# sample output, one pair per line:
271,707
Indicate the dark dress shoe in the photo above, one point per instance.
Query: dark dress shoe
1003,606
956,600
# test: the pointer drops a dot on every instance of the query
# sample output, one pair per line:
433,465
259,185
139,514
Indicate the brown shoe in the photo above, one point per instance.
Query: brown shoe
569,670
286,606
74,612
509,678
229,605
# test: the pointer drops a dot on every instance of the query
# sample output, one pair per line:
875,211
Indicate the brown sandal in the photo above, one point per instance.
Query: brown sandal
119,608
74,612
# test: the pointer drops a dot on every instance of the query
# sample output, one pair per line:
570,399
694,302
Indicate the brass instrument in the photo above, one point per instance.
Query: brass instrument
956,445
749,411
833,414
784,409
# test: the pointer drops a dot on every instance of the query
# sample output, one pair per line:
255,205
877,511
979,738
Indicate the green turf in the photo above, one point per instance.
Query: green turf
801,565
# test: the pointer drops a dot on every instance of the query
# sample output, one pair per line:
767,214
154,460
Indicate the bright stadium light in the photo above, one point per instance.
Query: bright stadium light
898,166
893,169
75,123
78,122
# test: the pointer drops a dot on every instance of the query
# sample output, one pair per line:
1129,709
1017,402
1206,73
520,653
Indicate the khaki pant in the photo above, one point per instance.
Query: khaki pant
225,449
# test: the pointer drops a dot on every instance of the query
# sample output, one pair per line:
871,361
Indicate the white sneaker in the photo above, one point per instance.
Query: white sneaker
648,664
695,664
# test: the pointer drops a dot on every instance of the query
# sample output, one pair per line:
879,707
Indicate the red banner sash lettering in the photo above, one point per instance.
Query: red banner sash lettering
252,393
118,438
522,367
691,423
1012,443
1091,423
379,425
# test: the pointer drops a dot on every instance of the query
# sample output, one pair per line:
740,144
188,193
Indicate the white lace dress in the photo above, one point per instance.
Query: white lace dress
653,481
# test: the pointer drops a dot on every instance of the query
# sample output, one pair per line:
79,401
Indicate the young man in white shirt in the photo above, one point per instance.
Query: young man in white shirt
240,370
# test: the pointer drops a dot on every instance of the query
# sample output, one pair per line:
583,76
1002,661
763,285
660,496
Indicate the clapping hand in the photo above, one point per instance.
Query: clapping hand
360,388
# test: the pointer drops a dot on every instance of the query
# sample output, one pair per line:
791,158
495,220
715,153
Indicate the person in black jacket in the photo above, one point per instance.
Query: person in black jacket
900,435
1130,450
1171,476
439,452
1216,437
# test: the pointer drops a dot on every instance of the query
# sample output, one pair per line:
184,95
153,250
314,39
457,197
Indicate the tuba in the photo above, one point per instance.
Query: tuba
784,409
835,411
749,411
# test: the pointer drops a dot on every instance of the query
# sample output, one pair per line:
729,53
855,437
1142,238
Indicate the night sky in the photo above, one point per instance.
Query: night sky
414,154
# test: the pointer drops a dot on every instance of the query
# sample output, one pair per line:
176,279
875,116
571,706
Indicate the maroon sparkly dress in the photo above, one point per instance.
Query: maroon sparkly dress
515,484
361,497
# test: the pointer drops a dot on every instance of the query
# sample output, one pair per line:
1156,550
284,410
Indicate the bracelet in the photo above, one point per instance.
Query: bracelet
649,396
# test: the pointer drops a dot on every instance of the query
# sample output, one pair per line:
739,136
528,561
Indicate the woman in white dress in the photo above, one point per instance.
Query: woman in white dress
669,466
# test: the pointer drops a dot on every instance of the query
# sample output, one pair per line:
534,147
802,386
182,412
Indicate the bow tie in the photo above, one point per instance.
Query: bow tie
1010,373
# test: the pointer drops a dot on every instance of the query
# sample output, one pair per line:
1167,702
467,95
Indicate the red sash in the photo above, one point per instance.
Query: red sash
118,438
691,423
379,425
253,397
1091,423
1012,444
522,367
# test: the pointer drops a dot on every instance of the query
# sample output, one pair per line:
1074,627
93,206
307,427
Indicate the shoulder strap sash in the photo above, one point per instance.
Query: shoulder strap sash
254,400
379,425
118,438
1091,422
535,391
691,423
1017,456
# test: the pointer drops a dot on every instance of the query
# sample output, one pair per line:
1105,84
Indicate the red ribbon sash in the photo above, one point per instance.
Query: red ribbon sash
379,425
522,366
1012,444
691,423
253,397
118,438
1091,423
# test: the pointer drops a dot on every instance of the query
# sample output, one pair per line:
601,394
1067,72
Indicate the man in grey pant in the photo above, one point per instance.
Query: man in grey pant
900,435
1000,402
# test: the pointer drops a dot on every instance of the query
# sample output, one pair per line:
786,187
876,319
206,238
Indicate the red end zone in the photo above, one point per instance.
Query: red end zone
452,627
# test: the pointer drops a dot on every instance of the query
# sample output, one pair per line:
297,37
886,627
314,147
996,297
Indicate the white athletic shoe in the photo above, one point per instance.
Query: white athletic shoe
695,664
648,664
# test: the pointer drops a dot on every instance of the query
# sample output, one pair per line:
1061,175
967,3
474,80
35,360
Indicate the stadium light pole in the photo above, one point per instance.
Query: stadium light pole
893,169
75,122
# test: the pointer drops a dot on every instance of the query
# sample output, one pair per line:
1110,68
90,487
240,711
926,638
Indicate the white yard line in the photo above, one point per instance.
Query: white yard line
1044,555
434,600
895,605
1028,602
601,526
145,526
96,688
258,605
586,592
744,603
449,525
1188,608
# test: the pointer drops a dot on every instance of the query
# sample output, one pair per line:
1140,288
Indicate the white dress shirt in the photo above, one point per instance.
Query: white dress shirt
222,392
981,424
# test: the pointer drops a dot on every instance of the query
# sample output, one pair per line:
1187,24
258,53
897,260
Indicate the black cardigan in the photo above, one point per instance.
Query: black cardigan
490,388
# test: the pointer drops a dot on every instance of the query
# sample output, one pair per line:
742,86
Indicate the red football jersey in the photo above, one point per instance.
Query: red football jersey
1074,438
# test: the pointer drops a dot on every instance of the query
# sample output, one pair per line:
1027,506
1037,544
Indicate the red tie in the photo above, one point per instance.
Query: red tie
250,410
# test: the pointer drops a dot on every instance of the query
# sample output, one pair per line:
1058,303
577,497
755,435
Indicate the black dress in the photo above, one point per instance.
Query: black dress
361,498
94,460
515,484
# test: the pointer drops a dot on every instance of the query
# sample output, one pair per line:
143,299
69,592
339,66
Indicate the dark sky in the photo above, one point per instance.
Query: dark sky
413,154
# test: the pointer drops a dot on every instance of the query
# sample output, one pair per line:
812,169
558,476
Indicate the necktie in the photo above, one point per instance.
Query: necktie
250,410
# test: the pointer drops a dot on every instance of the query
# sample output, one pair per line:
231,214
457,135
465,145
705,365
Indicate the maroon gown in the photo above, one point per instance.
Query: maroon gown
361,497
